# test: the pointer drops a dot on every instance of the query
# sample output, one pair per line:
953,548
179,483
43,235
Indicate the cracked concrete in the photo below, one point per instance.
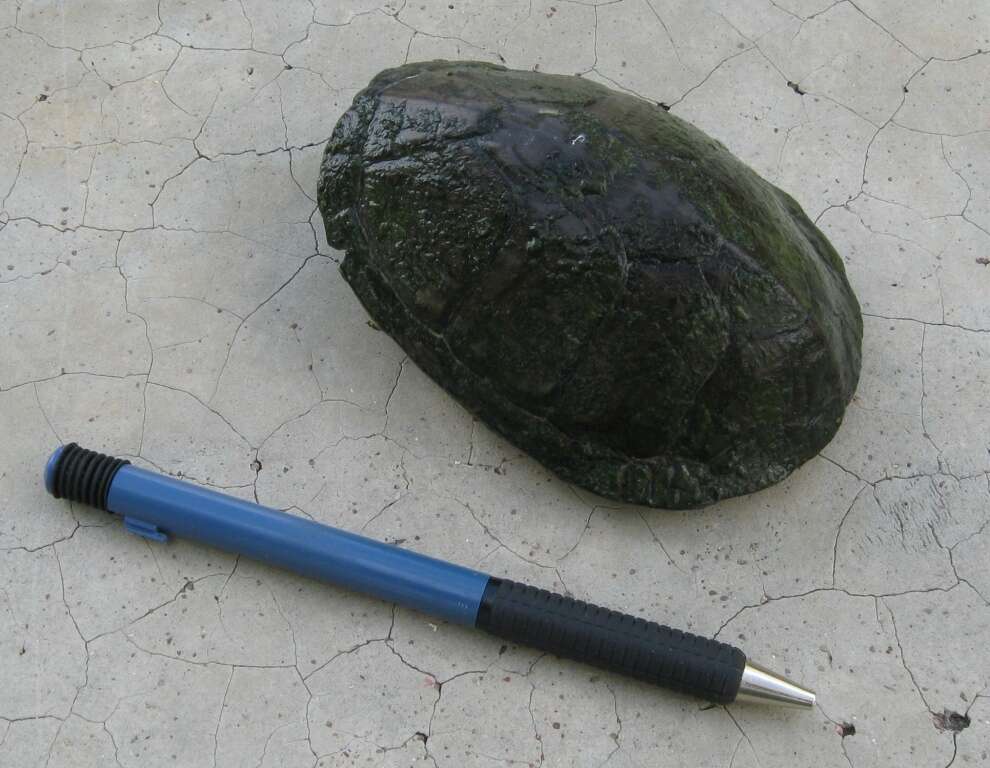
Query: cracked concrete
167,294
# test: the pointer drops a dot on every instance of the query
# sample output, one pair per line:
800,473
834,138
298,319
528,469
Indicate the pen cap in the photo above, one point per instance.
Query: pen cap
79,474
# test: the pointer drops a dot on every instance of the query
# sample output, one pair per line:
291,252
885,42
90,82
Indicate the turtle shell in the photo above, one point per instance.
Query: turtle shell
596,279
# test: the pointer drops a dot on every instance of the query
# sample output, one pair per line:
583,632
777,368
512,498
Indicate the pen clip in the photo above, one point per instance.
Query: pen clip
143,529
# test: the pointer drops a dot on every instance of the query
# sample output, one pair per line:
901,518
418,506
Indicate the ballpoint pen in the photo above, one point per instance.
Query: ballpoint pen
156,506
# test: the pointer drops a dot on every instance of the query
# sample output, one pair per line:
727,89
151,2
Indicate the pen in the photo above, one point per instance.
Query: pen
156,507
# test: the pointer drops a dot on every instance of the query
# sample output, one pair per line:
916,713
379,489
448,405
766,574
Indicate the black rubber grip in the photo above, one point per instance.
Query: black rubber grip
610,640
84,476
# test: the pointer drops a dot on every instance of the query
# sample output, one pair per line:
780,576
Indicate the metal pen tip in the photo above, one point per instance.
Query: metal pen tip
761,685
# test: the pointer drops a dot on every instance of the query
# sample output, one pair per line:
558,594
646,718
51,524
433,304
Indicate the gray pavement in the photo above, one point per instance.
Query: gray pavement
166,293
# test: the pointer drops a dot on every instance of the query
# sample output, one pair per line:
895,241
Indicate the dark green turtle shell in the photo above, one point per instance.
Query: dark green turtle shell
596,279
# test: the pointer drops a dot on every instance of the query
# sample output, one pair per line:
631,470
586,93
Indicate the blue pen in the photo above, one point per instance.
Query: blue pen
156,507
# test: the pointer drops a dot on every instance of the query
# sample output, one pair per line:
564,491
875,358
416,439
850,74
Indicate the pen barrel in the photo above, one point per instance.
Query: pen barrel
612,641
156,506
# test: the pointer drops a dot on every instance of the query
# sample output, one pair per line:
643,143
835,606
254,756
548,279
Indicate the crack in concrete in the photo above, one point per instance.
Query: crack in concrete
752,748
821,590
223,704
666,31
706,78
890,34
20,162
927,323
247,317
900,648
924,395
657,540
839,728
838,531
494,537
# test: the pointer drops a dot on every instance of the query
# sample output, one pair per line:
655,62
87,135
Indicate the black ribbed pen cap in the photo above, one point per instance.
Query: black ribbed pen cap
79,474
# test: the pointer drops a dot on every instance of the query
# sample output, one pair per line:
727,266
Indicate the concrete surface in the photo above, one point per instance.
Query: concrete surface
166,293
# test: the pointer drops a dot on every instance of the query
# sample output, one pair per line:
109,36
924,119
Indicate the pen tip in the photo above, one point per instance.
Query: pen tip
761,685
